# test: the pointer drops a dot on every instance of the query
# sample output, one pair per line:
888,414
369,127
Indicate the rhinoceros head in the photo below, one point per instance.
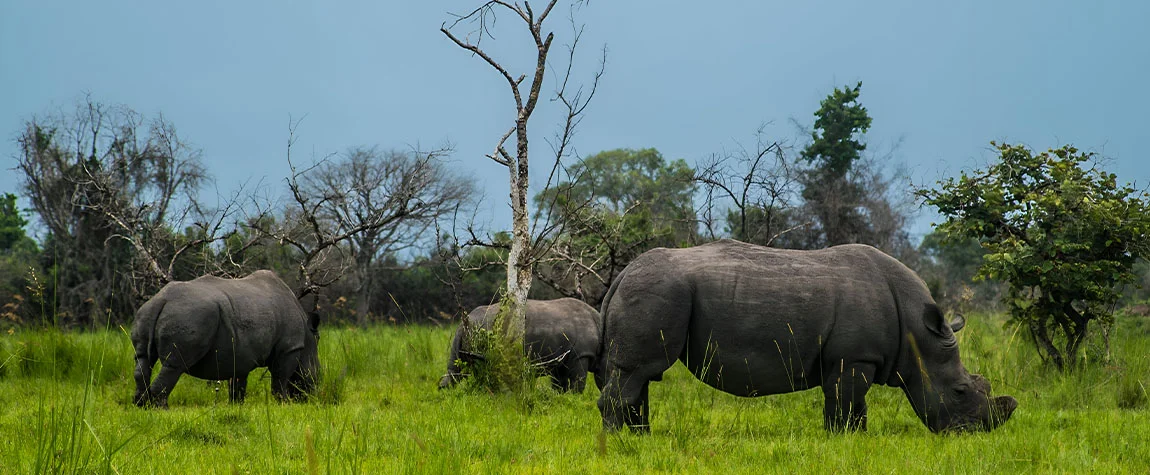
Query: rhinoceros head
305,378
945,396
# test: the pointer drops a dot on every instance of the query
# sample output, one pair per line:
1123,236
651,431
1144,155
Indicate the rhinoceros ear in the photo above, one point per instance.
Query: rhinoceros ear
958,323
934,321
313,321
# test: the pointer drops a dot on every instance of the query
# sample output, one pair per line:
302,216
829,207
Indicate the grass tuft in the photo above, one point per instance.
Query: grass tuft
1132,394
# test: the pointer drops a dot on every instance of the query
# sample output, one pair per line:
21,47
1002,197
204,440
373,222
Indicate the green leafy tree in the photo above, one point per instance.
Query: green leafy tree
836,143
446,283
18,261
11,223
827,188
763,225
618,204
1059,230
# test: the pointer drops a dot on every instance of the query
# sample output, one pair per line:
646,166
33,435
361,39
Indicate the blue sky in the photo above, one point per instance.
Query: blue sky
689,78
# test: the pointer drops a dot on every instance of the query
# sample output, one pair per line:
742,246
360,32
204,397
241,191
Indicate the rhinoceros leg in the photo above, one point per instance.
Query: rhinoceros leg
282,369
143,377
844,392
570,375
558,377
238,388
646,321
624,401
577,375
164,383
627,373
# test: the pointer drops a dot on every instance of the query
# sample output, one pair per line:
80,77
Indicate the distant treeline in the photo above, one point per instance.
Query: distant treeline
373,235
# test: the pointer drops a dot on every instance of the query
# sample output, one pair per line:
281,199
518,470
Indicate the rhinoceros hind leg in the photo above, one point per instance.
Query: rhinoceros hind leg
570,376
624,401
163,384
844,392
238,388
577,375
143,377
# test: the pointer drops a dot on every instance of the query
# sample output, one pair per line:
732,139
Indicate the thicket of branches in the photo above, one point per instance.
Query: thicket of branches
117,196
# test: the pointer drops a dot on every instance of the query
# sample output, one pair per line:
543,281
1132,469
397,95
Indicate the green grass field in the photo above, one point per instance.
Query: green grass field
65,408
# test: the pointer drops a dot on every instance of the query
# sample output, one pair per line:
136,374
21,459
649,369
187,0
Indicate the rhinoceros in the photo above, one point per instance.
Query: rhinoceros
216,329
752,321
562,336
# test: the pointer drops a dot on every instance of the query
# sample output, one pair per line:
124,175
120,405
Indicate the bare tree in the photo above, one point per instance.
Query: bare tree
759,187
112,188
887,205
387,200
594,248
406,193
522,252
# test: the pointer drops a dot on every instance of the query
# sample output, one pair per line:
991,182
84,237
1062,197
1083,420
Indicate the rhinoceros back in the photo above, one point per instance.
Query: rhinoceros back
564,325
216,328
554,327
752,320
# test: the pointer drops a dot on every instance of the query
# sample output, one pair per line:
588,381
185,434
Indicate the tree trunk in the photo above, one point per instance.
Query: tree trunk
363,304
365,281
1045,346
1075,332
518,259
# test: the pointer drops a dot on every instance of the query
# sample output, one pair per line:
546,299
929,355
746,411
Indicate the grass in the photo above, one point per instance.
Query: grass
65,408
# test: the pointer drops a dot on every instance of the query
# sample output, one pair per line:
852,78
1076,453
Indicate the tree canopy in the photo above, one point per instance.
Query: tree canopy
11,223
617,204
835,142
1058,229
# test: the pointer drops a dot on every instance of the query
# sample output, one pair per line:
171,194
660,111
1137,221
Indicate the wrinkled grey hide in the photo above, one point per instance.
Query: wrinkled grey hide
562,335
752,321
214,328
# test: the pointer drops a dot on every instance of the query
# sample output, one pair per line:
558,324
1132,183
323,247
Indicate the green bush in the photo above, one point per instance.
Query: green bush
502,365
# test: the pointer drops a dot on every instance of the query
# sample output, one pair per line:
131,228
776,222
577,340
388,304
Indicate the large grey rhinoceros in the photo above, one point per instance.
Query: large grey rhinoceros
751,321
215,328
562,335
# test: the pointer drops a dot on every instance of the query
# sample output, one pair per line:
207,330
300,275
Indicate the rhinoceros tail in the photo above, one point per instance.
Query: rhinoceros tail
144,329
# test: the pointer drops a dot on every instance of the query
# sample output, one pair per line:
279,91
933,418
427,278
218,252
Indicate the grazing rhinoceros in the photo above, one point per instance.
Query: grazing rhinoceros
214,328
562,335
751,321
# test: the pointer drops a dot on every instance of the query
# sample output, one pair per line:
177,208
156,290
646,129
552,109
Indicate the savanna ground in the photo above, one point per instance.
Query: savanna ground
65,408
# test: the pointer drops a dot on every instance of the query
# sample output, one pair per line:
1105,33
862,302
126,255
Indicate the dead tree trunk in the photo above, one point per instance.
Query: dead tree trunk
519,260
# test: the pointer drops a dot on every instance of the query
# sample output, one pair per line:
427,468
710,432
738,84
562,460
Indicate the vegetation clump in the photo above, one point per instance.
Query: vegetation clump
1058,230
496,362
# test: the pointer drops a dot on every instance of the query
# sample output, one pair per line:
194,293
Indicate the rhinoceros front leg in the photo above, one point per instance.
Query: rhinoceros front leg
238,388
282,368
164,383
844,392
